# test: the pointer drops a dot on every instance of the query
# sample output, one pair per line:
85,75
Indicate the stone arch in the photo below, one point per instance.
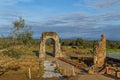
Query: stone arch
57,47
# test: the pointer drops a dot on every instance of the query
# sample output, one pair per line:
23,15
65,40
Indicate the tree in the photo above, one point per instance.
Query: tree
19,24
79,42
21,33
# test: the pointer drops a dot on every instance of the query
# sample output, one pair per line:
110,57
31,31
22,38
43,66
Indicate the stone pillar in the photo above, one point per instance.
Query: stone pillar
100,52
42,49
57,48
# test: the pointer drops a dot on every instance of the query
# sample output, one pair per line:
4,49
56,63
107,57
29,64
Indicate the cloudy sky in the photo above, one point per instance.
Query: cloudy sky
70,18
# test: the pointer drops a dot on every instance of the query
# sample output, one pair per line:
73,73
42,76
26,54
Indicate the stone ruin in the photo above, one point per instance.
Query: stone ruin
57,46
99,52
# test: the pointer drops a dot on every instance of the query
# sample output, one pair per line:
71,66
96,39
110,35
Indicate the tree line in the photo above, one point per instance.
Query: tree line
82,43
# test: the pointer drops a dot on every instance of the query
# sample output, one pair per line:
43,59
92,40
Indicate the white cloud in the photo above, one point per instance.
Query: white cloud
81,20
99,5
107,3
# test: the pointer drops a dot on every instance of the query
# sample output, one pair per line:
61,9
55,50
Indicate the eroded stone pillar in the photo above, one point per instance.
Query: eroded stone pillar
99,52
42,49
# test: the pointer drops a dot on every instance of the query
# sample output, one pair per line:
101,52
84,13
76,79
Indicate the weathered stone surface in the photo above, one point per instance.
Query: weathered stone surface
57,47
99,52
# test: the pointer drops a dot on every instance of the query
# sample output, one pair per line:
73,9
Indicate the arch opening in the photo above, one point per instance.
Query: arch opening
50,47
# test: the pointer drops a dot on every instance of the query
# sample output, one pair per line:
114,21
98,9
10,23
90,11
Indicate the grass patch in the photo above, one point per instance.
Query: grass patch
113,51
18,51
13,53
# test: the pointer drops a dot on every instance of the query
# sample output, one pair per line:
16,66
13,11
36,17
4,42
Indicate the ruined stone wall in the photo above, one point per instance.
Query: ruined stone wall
99,52
57,47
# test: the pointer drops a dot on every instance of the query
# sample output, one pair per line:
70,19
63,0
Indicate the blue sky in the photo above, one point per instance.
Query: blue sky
70,18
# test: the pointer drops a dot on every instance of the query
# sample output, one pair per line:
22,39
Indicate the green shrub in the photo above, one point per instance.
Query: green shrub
13,53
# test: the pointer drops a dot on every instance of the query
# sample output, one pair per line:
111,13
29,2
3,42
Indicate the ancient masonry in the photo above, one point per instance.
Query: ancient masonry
99,52
57,47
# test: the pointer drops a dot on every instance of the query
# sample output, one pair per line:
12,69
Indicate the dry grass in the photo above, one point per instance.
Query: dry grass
29,59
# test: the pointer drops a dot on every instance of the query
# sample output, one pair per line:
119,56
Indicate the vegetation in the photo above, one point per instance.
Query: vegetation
21,34
13,53
78,42
89,43
17,45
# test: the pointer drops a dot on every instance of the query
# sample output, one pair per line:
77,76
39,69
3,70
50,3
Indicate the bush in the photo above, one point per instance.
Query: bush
13,53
